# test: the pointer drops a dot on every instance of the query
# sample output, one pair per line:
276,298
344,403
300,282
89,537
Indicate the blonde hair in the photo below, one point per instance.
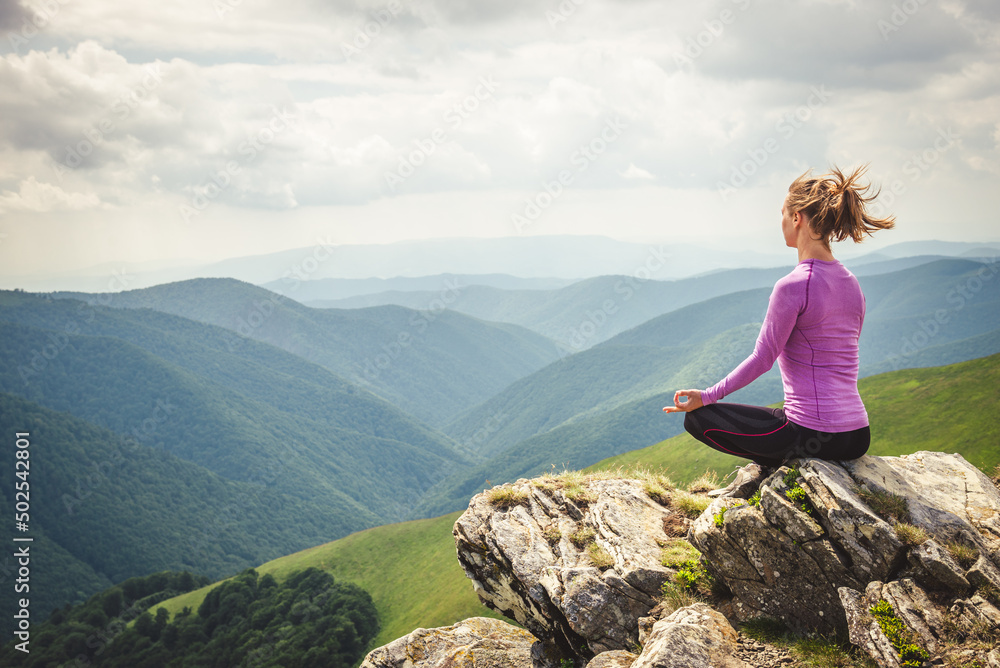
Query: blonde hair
836,205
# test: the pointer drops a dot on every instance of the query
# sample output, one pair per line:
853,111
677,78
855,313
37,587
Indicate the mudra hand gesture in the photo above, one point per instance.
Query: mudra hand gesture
693,401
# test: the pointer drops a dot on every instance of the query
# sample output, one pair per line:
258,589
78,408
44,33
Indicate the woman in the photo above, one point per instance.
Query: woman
812,326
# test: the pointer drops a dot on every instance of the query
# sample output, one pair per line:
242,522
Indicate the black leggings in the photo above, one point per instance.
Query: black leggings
767,437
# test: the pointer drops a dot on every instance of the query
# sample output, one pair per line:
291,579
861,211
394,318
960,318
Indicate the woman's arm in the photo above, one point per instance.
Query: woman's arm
787,301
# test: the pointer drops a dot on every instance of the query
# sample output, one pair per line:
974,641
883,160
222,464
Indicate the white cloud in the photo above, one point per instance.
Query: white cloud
36,197
634,172
152,105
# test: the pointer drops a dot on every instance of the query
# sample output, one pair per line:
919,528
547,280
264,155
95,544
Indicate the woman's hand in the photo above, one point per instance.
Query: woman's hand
693,401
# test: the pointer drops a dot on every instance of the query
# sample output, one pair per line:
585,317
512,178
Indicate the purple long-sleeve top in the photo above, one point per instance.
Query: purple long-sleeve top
812,326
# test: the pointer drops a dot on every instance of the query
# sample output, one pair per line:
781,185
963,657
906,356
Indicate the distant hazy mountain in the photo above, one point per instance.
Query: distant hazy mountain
587,312
344,288
870,265
948,248
590,311
565,256
432,363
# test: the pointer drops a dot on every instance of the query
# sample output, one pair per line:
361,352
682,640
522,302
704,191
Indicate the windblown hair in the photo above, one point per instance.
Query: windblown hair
836,205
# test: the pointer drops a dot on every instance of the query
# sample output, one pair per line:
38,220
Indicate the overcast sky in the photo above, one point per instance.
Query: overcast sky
215,128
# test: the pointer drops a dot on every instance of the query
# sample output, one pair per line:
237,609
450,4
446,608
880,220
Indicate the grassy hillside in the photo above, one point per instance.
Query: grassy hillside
915,316
618,427
608,376
954,408
104,509
432,363
409,569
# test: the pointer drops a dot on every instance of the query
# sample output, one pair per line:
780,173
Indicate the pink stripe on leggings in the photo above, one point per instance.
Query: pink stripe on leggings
735,433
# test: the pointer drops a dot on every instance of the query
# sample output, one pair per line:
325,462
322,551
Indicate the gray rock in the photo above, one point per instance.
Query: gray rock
947,496
864,631
911,606
869,542
548,584
984,574
618,658
692,637
779,560
474,643
938,566
746,482
975,616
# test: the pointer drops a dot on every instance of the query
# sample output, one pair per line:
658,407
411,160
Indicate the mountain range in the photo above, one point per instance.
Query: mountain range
238,424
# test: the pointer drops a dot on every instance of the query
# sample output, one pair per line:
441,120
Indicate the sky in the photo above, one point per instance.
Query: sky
181,130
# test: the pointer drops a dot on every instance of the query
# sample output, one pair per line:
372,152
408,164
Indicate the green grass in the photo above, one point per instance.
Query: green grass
677,552
815,651
890,507
691,505
409,569
951,408
910,535
506,496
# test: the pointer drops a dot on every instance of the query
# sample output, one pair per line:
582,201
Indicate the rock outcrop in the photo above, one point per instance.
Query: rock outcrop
477,642
901,553
577,565
692,637
825,545
788,557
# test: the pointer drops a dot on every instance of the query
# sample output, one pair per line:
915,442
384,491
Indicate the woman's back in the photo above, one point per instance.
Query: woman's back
819,360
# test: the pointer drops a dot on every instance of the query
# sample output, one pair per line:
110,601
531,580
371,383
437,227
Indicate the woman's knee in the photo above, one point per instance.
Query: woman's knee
691,424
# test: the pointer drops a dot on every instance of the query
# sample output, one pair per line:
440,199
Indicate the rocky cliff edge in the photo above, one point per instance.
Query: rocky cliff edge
899,554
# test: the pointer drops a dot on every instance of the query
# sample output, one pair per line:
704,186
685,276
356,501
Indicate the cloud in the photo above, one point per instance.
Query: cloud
122,105
12,15
633,172
36,197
